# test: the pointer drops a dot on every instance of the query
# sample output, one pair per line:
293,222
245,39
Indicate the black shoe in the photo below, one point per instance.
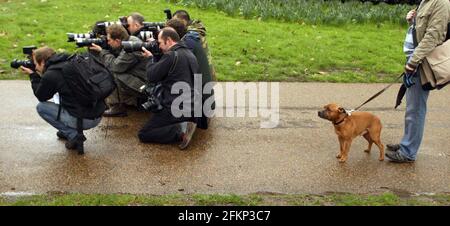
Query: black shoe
397,157
393,147
117,110
61,135
187,130
76,144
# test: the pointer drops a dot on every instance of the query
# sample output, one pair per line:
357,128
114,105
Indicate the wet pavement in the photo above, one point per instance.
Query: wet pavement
234,156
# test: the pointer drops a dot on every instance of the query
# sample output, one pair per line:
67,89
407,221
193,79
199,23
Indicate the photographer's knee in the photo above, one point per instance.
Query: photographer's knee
40,108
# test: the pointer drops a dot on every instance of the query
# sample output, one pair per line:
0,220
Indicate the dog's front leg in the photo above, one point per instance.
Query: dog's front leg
346,149
341,147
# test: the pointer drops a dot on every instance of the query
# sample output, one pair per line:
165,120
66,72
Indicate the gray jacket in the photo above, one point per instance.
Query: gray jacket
128,68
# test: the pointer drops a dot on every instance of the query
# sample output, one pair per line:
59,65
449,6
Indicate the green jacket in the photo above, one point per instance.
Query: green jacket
431,28
127,68
198,27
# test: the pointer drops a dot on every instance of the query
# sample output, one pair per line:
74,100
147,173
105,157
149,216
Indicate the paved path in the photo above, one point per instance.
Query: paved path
234,156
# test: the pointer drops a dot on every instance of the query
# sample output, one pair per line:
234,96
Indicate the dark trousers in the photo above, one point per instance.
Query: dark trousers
162,128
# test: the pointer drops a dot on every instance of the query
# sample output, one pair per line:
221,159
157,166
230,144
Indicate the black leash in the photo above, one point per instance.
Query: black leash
379,93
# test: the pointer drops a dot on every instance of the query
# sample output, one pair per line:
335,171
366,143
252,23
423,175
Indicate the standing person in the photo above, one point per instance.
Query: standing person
128,70
48,80
428,30
177,66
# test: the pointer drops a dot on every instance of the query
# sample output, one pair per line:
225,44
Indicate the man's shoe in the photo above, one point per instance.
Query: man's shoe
117,110
187,130
397,157
393,147
77,144
61,135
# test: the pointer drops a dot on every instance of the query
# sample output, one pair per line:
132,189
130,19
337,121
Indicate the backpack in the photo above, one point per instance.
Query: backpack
89,80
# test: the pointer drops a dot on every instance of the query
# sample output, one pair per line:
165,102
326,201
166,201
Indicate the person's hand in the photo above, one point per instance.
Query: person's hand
95,48
410,16
146,53
409,69
26,70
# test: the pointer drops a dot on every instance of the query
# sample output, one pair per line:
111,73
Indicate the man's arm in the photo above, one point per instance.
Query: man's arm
434,35
43,88
119,64
158,71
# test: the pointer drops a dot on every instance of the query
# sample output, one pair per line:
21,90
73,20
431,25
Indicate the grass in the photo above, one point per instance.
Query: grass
385,199
243,50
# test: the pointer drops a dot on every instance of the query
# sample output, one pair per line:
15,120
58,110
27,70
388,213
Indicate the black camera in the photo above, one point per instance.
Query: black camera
27,50
84,42
153,47
168,14
26,63
71,37
153,92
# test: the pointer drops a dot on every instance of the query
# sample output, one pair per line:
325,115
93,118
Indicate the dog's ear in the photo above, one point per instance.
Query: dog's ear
342,110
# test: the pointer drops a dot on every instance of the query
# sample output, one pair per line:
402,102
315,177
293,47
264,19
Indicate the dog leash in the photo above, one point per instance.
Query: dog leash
376,95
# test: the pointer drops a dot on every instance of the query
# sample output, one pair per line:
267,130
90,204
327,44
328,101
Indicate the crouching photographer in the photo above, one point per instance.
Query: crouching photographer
177,66
128,69
65,115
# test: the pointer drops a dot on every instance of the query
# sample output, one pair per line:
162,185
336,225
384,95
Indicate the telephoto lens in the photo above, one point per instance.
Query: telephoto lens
26,63
154,25
71,37
130,46
83,42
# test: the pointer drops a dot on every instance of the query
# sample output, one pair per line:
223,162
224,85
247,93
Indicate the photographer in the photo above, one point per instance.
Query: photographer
49,80
193,42
177,65
135,23
128,70
196,26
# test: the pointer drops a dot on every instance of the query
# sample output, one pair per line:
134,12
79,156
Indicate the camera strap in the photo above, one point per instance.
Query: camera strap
175,61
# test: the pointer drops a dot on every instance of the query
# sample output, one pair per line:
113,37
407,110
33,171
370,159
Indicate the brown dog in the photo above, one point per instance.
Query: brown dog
347,127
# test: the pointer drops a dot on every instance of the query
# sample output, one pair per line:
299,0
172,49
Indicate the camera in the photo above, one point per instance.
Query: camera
168,14
150,26
27,50
71,37
153,92
145,35
26,63
104,25
83,42
153,47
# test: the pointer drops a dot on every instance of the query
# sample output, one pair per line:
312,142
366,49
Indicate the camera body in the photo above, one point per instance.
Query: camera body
153,92
28,63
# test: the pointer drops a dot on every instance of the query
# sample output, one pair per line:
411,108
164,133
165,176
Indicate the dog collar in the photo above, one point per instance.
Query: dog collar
337,123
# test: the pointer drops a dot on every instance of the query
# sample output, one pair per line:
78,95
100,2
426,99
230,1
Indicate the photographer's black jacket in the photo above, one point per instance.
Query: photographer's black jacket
181,71
52,81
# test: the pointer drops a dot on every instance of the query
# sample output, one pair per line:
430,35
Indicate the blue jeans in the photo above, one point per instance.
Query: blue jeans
416,110
67,123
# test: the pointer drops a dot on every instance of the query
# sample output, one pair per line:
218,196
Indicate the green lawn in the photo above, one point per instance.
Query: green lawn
386,199
245,50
